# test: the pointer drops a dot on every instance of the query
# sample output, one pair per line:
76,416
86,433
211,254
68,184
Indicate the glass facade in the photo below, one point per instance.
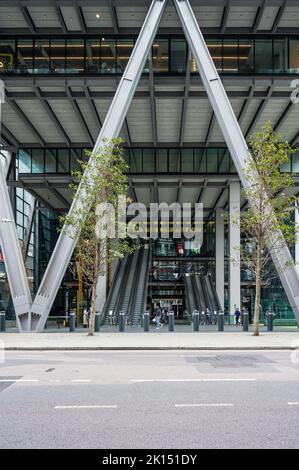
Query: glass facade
110,55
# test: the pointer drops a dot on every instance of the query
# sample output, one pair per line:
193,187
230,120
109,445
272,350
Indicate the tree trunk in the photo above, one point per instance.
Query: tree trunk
94,296
258,284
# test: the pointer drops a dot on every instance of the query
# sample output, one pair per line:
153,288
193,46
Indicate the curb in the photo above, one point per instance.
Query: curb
177,348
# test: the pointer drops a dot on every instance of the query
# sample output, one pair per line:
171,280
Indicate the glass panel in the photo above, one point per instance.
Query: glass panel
212,160
148,160
108,56
41,56
178,54
37,160
230,55
58,55
200,160
161,56
24,161
216,51
294,55
93,56
286,167
63,161
124,51
25,56
127,158
224,161
280,55
174,160
161,163
75,56
76,155
187,161
136,160
7,50
263,56
295,162
50,161
246,56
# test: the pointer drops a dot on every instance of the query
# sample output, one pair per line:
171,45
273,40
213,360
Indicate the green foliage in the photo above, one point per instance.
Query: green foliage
269,219
101,180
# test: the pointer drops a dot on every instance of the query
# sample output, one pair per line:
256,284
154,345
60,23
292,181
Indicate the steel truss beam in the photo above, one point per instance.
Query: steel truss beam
234,138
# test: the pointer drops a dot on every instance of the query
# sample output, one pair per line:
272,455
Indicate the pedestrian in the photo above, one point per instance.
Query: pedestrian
85,318
110,317
237,316
158,317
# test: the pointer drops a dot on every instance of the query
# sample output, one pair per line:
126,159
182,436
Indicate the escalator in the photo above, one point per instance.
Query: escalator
200,294
140,293
129,288
190,294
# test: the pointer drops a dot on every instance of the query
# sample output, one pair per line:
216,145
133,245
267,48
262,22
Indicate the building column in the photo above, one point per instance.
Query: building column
220,256
234,249
297,238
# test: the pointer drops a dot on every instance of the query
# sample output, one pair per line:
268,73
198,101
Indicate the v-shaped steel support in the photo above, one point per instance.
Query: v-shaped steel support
37,316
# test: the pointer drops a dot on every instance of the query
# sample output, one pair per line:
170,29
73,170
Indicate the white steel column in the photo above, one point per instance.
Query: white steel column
10,245
297,239
220,255
235,140
234,249
111,128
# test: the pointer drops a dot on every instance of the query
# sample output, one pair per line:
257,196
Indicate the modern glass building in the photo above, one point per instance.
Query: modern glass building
61,62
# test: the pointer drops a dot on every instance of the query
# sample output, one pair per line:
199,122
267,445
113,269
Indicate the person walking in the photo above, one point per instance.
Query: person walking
237,316
158,317
85,318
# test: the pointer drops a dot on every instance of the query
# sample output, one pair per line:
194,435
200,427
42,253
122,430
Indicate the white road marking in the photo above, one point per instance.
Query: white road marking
17,380
191,380
86,407
293,403
81,380
206,405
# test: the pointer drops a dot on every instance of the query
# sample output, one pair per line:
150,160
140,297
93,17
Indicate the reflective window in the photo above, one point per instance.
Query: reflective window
75,56
58,55
24,161
93,55
25,55
76,155
212,160
162,158
200,160
42,56
224,161
136,160
174,160
161,56
263,56
230,55
63,164
148,160
246,56
280,55
108,56
178,55
187,160
216,51
294,55
295,162
38,161
50,161
124,52
7,51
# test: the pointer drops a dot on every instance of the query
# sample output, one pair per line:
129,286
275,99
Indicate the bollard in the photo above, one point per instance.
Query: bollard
72,321
221,321
246,321
146,321
171,322
97,322
121,322
2,321
195,320
270,321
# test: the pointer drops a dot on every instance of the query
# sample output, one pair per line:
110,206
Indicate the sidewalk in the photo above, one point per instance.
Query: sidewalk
150,341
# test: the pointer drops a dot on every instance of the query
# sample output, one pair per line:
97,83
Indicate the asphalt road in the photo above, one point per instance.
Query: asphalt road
162,399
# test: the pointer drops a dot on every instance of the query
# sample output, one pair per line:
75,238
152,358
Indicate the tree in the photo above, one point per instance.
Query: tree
103,182
269,218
